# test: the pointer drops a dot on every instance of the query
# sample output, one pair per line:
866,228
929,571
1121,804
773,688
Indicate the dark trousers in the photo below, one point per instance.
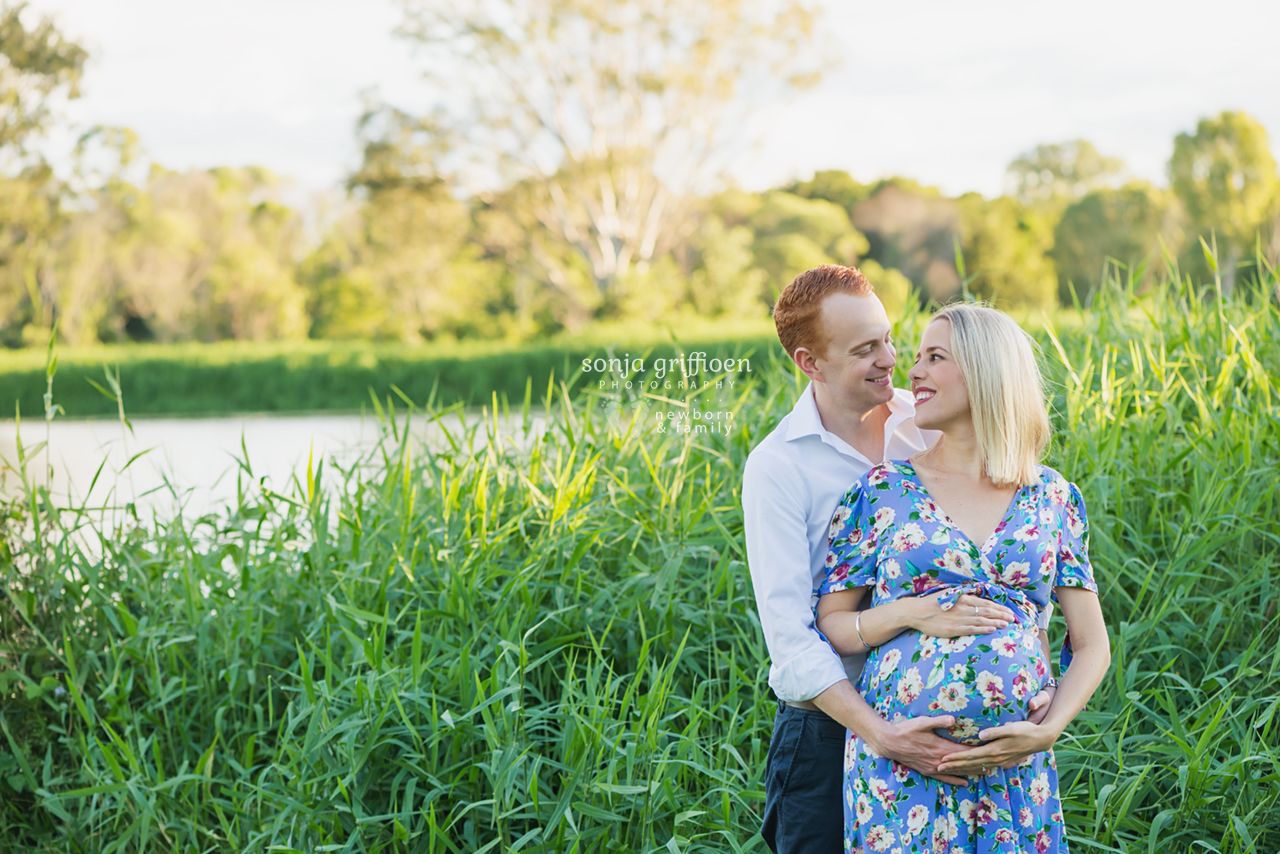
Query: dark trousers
803,784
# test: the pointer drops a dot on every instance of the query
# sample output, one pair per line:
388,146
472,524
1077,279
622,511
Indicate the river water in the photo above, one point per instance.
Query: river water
191,463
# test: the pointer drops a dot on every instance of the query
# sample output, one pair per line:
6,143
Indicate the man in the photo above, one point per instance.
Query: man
849,419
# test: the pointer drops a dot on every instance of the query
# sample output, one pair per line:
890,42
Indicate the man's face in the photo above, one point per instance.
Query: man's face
857,364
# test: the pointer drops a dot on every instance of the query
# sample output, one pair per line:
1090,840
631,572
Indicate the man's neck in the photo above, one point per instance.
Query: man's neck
862,430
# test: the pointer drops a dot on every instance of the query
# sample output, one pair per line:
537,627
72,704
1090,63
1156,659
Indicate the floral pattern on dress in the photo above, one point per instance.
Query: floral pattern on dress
889,534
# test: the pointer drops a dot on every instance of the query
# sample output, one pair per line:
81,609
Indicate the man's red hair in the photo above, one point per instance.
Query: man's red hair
798,312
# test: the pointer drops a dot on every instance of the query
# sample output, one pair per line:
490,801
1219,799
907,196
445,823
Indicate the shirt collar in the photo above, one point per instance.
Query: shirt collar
805,420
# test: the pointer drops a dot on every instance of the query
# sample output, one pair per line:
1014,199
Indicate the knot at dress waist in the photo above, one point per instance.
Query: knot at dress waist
1025,611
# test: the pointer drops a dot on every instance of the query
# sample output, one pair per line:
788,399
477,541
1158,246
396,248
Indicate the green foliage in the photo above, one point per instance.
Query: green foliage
913,229
835,186
891,286
1226,177
795,234
1057,174
1127,226
31,209
1005,246
549,644
727,280
39,65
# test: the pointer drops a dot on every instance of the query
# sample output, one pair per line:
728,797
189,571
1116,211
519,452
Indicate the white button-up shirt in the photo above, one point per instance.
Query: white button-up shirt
793,481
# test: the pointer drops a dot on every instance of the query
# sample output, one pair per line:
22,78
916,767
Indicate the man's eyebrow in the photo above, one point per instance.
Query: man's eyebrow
862,344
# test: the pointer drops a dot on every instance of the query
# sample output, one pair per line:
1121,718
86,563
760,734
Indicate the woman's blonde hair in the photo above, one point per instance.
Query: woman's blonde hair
1006,391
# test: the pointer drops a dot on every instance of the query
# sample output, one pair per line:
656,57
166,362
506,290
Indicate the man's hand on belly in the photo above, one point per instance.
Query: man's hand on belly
912,742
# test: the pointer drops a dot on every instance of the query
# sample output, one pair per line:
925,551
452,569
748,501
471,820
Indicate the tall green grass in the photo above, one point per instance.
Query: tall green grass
547,642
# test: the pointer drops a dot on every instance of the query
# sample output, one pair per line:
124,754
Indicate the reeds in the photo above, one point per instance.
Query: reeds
547,642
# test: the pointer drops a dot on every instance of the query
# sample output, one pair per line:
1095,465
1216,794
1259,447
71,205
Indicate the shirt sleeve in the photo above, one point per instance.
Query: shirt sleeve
802,664
851,543
1073,567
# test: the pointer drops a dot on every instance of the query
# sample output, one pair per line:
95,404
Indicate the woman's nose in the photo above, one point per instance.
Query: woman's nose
915,373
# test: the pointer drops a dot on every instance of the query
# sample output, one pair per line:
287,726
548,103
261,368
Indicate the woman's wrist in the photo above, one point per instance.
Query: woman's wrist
917,610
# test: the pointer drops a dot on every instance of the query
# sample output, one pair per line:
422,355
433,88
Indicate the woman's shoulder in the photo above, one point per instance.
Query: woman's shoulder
888,474
1056,488
880,478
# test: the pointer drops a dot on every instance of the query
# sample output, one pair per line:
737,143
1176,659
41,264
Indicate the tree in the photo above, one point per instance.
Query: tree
913,229
1124,225
208,255
728,280
1005,245
834,185
1057,174
402,264
608,115
794,234
37,66
1225,175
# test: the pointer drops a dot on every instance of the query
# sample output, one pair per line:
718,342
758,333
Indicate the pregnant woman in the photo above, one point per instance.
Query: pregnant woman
973,514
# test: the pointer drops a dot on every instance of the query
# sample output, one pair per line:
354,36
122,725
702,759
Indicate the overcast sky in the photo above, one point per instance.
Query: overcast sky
946,93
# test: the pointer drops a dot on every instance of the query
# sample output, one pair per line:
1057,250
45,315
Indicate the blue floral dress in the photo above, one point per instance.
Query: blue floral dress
889,534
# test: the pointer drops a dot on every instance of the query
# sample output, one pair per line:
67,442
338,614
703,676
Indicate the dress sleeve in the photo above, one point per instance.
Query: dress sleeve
1073,567
851,543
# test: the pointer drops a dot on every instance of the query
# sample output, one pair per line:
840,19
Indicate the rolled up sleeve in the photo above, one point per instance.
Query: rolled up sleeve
802,663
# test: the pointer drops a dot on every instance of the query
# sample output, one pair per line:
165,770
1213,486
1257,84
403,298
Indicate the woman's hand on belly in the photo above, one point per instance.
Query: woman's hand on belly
971,615
1005,745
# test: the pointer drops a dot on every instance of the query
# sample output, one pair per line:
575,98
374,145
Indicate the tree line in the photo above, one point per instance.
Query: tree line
573,180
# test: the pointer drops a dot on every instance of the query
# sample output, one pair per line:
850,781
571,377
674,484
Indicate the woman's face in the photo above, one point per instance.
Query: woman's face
942,398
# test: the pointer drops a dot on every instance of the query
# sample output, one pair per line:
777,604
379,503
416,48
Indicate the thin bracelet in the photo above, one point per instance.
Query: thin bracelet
857,618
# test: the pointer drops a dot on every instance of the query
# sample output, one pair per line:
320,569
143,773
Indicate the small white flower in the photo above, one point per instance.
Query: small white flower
1039,788
889,663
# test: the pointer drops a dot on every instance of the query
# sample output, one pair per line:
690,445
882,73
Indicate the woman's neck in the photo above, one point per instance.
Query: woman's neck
956,451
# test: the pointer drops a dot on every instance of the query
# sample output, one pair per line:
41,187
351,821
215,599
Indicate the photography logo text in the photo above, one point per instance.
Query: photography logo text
691,371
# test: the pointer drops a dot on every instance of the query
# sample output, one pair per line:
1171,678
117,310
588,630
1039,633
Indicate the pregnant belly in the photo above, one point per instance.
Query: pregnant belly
984,680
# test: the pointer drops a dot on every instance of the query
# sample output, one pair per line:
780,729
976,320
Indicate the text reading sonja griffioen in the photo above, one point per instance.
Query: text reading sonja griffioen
687,371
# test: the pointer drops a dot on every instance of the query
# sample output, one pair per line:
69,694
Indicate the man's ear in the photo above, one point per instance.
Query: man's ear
807,363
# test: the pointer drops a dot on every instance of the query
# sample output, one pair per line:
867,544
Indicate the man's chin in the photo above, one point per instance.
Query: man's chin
873,396
882,393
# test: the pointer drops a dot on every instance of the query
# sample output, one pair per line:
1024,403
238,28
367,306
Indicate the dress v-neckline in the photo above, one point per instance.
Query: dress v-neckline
950,523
